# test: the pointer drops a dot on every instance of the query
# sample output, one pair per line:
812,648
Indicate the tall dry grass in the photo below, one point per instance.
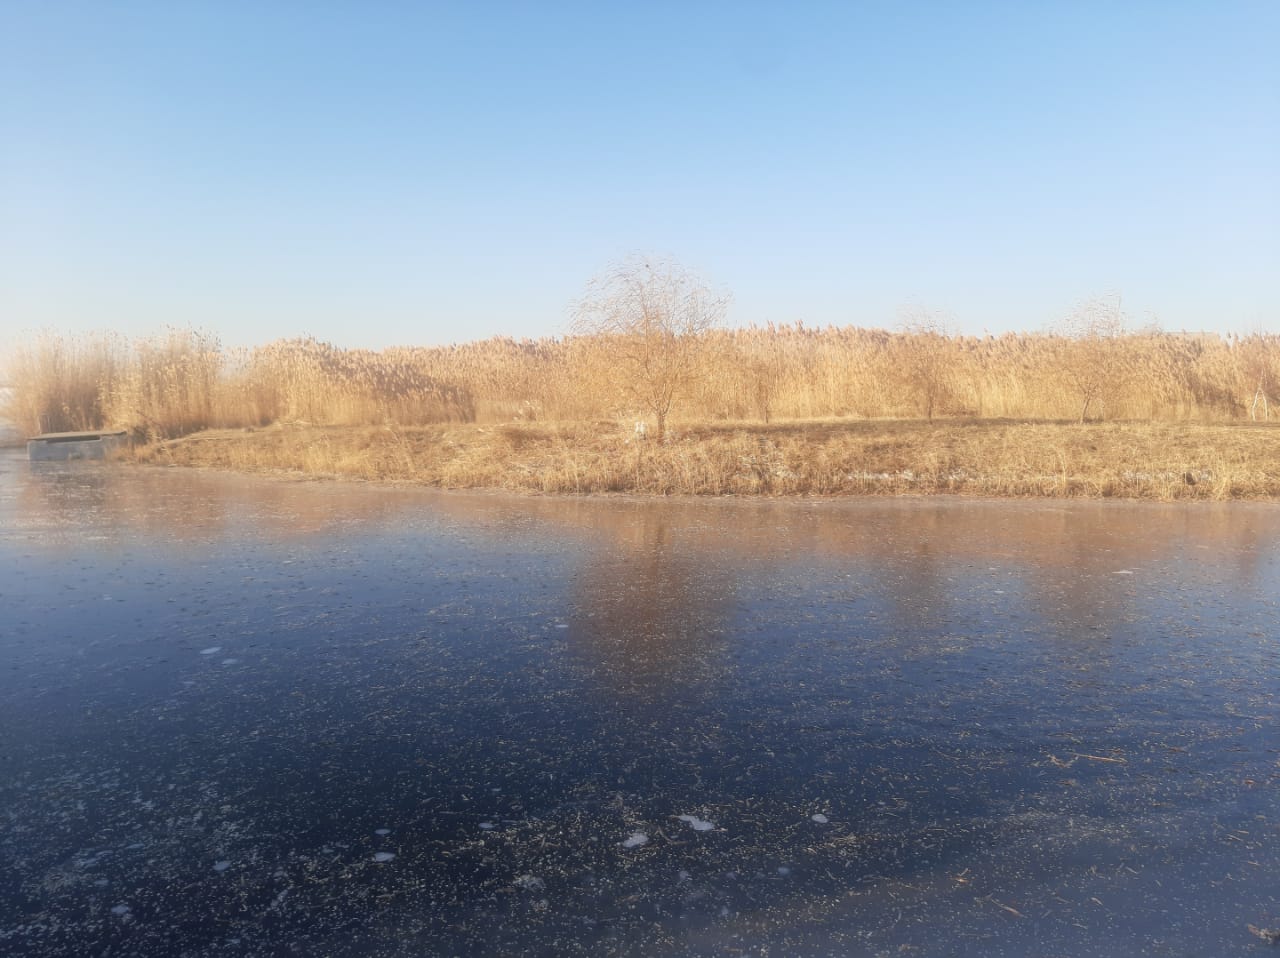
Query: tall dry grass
184,380
1165,461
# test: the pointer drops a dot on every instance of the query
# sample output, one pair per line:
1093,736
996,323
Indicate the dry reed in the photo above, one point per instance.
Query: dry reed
562,399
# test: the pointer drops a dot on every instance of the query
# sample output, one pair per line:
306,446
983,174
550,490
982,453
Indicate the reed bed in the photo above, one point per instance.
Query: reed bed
185,380
777,409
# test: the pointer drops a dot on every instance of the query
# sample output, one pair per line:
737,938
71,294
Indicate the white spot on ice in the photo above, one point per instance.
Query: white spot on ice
488,826
529,883
784,871
101,883
820,818
221,866
562,625
635,840
230,661
120,910
382,831
1124,572
211,650
696,823
683,875
384,856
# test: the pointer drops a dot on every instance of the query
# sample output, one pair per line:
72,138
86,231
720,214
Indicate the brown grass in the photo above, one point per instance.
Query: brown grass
1163,461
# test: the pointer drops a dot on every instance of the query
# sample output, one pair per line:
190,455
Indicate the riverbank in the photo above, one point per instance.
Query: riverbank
1164,461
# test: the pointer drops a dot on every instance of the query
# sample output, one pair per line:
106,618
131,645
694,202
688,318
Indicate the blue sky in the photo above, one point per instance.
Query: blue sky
383,173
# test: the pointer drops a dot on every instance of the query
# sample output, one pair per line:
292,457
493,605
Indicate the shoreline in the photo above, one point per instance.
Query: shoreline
1001,459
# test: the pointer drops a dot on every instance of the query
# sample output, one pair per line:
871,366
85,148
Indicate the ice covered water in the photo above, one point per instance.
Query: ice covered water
929,728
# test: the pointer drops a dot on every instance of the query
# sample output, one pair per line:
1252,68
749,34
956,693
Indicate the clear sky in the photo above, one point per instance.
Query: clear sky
377,173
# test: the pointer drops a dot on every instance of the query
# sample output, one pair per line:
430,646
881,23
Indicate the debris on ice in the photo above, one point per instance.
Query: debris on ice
696,823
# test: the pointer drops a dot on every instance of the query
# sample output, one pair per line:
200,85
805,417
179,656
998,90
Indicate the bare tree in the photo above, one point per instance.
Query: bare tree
1255,361
654,312
1092,362
925,365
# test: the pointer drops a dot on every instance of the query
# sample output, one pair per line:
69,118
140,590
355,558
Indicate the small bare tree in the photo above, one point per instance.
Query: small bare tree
925,367
1256,362
653,313
1092,363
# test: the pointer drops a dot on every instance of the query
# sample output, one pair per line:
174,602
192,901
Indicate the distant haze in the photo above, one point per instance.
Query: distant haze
431,173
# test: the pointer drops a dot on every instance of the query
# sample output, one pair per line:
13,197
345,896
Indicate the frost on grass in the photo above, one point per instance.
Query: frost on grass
635,840
696,823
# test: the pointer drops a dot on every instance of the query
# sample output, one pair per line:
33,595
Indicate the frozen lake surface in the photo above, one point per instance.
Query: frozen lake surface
252,717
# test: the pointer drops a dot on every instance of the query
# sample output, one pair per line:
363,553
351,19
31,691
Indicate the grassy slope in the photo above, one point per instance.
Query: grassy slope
976,457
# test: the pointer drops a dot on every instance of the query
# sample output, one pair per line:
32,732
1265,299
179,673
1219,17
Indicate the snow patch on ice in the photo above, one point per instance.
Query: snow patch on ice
230,661
488,826
1124,572
820,818
120,910
382,831
211,650
696,823
221,866
384,856
635,840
